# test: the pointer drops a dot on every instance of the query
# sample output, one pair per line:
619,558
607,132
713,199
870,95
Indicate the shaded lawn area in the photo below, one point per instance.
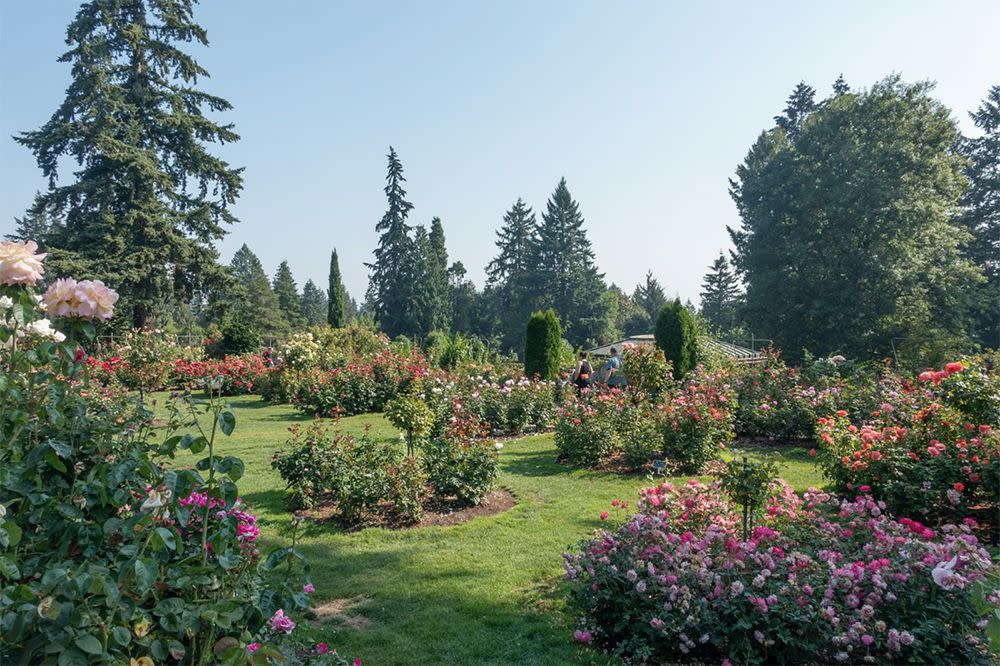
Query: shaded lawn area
485,592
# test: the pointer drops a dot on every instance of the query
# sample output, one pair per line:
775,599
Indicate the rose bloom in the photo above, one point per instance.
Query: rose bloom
95,300
19,265
282,622
58,298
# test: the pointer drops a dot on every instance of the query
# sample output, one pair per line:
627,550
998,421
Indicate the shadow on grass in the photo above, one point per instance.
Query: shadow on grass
272,500
531,463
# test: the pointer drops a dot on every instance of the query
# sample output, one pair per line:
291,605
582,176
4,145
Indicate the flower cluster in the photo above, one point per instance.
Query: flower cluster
820,580
86,299
20,264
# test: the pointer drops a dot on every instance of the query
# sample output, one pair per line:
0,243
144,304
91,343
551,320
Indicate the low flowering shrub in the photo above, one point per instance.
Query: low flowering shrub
820,580
585,433
461,470
231,375
356,388
697,422
300,351
923,458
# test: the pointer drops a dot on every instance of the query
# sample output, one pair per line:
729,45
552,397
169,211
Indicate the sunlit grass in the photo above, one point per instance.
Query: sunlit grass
486,592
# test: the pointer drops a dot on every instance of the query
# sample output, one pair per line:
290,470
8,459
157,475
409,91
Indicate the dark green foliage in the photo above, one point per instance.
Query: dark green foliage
238,337
336,311
438,288
650,297
800,103
314,304
461,471
250,294
629,317
470,312
840,86
288,297
542,345
508,275
847,242
677,337
564,275
982,215
391,285
720,295
147,201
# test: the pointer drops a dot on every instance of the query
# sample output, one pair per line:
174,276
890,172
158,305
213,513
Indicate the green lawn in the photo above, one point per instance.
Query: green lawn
486,592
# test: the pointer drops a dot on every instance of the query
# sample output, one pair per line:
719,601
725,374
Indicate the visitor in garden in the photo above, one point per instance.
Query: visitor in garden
614,377
583,372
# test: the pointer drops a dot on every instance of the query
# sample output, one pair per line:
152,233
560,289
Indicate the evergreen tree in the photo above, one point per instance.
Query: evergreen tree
314,304
508,275
543,345
287,293
390,287
564,275
422,304
720,295
840,86
437,277
252,300
650,297
630,318
466,303
847,240
982,215
677,336
335,315
37,224
148,201
800,104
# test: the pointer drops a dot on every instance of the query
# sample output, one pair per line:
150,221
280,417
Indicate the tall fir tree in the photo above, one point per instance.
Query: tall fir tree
720,295
564,274
390,286
422,305
840,86
335,315
287,293
252,298
650,297
982,215
314,304
800,104
148,201
508,275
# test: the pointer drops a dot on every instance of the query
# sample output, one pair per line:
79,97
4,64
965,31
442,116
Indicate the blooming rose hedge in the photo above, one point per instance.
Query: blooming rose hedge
820,580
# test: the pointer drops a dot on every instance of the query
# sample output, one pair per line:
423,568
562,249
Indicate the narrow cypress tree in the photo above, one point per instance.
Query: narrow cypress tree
542,345
390,286
148,201
335,291
677,337
720,295
287,293
314,304
437,277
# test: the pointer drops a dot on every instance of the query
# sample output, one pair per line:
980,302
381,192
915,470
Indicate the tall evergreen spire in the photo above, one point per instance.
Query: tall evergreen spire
335,294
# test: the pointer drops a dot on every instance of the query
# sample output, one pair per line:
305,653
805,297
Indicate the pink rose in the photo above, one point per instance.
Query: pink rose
253,647
321,648
19,265
308,588
282,622
95,300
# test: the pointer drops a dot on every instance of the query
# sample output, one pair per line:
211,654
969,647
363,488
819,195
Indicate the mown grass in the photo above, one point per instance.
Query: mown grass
485,592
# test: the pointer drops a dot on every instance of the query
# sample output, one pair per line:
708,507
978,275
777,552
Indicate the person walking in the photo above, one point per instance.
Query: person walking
614,376
583,373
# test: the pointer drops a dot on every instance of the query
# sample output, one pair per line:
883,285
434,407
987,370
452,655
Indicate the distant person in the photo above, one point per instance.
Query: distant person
583,373
614,376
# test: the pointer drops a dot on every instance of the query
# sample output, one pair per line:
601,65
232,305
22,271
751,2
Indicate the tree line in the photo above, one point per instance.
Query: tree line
868,223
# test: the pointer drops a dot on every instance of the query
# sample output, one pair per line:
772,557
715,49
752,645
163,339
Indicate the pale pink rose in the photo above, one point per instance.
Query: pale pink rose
94,300
19,265
282,622
59,297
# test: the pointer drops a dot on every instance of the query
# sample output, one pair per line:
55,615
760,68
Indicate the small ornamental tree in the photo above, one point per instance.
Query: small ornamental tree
677,337
542,345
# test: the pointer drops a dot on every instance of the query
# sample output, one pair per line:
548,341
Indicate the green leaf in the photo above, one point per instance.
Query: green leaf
166,538
146,573
227,421
14,532
8,569
53,460
89,644
121,635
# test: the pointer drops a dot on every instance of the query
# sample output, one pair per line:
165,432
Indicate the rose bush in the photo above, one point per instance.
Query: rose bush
697,422
819,580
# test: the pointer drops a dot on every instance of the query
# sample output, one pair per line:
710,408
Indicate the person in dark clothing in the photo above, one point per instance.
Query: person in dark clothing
584,372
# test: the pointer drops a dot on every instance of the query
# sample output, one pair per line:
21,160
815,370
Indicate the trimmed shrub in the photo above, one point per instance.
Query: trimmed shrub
542,345
461,470
238,337
677,337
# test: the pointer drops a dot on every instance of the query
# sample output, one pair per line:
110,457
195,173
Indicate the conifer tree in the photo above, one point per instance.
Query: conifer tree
720,295
982,215
252,298
287,293
650,296
390,286
564,275
676,335
437,277
314,304
840,86
148,200
800,103
335,290
508,275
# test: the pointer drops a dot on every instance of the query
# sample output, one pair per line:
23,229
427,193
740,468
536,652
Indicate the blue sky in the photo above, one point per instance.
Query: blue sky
645,107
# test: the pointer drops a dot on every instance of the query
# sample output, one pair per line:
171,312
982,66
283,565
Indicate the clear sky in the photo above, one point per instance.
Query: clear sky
645,107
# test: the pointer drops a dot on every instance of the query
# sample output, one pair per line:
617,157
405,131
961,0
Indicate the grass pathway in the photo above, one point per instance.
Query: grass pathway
486,592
